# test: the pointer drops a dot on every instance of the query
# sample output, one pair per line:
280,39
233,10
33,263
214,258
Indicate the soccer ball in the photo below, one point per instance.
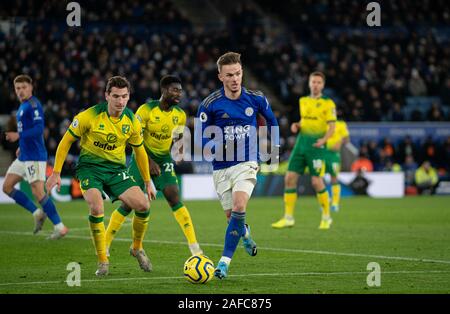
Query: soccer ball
198,269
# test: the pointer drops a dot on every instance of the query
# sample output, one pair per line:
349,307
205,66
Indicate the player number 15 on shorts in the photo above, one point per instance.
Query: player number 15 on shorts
31,170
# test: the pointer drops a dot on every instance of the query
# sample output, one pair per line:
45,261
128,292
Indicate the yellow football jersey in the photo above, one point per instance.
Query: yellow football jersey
315,113
159,126
340,132
103,138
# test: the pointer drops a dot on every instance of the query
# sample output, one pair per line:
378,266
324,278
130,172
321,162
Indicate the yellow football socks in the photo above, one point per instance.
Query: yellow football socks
98,236
140,224
324,201
290,198
184,220
335,194
115,223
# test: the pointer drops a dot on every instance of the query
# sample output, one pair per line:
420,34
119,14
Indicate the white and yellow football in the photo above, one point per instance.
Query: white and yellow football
198,269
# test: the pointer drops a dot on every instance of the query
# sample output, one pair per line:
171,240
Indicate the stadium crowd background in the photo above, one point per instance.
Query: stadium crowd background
398,72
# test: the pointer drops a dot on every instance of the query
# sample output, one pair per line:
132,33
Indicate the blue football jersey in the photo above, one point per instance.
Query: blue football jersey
30,125
230,126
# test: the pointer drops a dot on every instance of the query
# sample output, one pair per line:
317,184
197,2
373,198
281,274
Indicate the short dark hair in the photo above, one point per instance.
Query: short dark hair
318,73
228,58
23,78
117,81
169,79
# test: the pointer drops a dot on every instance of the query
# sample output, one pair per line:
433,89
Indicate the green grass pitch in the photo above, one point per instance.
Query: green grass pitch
408,238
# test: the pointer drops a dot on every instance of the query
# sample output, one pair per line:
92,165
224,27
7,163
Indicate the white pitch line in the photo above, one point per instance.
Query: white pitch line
398,258
348,273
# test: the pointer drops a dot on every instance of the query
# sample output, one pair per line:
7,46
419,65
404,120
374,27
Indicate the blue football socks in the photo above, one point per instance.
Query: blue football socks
49,208
235,230
23,200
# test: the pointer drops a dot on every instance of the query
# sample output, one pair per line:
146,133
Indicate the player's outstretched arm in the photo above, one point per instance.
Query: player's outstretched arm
142,163
61,154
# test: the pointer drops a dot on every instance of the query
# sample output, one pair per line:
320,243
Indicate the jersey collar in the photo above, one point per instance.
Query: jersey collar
162,110
311,96
222,90
27,100
109,117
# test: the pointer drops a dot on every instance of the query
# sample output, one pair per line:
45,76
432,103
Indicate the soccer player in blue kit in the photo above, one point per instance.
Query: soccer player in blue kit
231,114
31,159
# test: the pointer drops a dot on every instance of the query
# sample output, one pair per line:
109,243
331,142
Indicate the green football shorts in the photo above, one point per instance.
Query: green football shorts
113,182
305,155
166,178
332,162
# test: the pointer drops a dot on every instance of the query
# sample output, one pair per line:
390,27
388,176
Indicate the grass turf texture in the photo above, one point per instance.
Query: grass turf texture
407,237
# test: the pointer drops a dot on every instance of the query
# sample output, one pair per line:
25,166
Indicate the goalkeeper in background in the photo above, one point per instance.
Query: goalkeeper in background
162,122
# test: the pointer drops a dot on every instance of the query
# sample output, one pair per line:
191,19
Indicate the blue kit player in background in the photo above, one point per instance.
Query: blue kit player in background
231,114
31,159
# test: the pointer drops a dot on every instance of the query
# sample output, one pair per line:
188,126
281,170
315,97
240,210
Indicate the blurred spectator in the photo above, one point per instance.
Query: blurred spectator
426,178
11,126
388,148
445,92
430,151
435,113
406,148
360,183
409,167
362,163
446,153
391,166
375,154
396,114
416,84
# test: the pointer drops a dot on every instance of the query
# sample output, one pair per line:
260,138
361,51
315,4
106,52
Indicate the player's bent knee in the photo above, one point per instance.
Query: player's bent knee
96,209
240,200
172,196
8,185
38,192
173,200
317,183
239,207
141,205
7,189
38,195
126,207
